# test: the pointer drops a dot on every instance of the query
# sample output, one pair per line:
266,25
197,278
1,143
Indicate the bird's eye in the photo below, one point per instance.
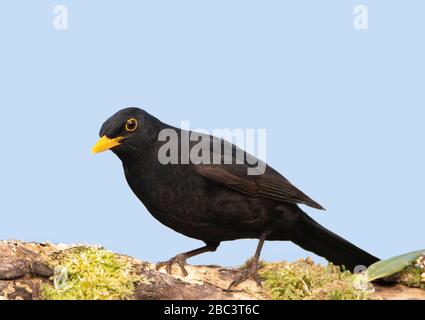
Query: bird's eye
131,125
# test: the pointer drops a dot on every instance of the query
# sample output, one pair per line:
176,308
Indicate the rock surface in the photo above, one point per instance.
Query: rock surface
25,268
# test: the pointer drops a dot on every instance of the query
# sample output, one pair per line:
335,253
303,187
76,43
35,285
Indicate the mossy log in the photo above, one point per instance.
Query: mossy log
36,271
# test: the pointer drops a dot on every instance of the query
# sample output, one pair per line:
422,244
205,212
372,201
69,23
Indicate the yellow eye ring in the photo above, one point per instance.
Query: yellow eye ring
131,125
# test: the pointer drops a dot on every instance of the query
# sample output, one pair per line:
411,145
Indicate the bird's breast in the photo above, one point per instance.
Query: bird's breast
192,205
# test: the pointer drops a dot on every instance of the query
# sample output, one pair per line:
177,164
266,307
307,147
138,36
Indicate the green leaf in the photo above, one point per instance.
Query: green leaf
385,268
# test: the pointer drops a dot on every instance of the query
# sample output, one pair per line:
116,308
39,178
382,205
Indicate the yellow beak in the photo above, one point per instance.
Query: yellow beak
106,143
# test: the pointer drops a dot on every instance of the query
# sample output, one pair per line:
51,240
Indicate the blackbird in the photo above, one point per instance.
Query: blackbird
216,201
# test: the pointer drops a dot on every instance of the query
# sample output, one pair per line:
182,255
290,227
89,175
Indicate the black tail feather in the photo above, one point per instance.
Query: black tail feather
313,237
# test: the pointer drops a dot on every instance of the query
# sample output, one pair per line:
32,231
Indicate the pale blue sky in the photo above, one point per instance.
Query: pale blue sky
344,110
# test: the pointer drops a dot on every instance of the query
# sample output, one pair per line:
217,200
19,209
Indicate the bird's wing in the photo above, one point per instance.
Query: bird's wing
270,185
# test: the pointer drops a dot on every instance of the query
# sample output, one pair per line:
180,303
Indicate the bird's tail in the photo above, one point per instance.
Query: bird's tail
313,237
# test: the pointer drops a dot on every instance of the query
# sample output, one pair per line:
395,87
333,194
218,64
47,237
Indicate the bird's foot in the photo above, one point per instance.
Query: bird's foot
179,259
251,273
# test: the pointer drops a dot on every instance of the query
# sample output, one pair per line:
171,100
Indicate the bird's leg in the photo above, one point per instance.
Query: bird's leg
252,269
180,259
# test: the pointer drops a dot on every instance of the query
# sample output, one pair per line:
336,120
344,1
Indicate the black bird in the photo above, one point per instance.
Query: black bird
216,202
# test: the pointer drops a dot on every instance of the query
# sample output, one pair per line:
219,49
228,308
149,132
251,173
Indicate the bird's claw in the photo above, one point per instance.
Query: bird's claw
249,274
180,260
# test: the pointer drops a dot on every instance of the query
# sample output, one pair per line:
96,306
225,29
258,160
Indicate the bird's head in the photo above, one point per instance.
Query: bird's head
128,129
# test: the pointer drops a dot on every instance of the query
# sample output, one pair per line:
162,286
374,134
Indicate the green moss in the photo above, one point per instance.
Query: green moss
304,280
413,275
89,273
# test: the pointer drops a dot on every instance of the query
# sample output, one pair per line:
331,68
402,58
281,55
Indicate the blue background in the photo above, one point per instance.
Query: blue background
344,110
